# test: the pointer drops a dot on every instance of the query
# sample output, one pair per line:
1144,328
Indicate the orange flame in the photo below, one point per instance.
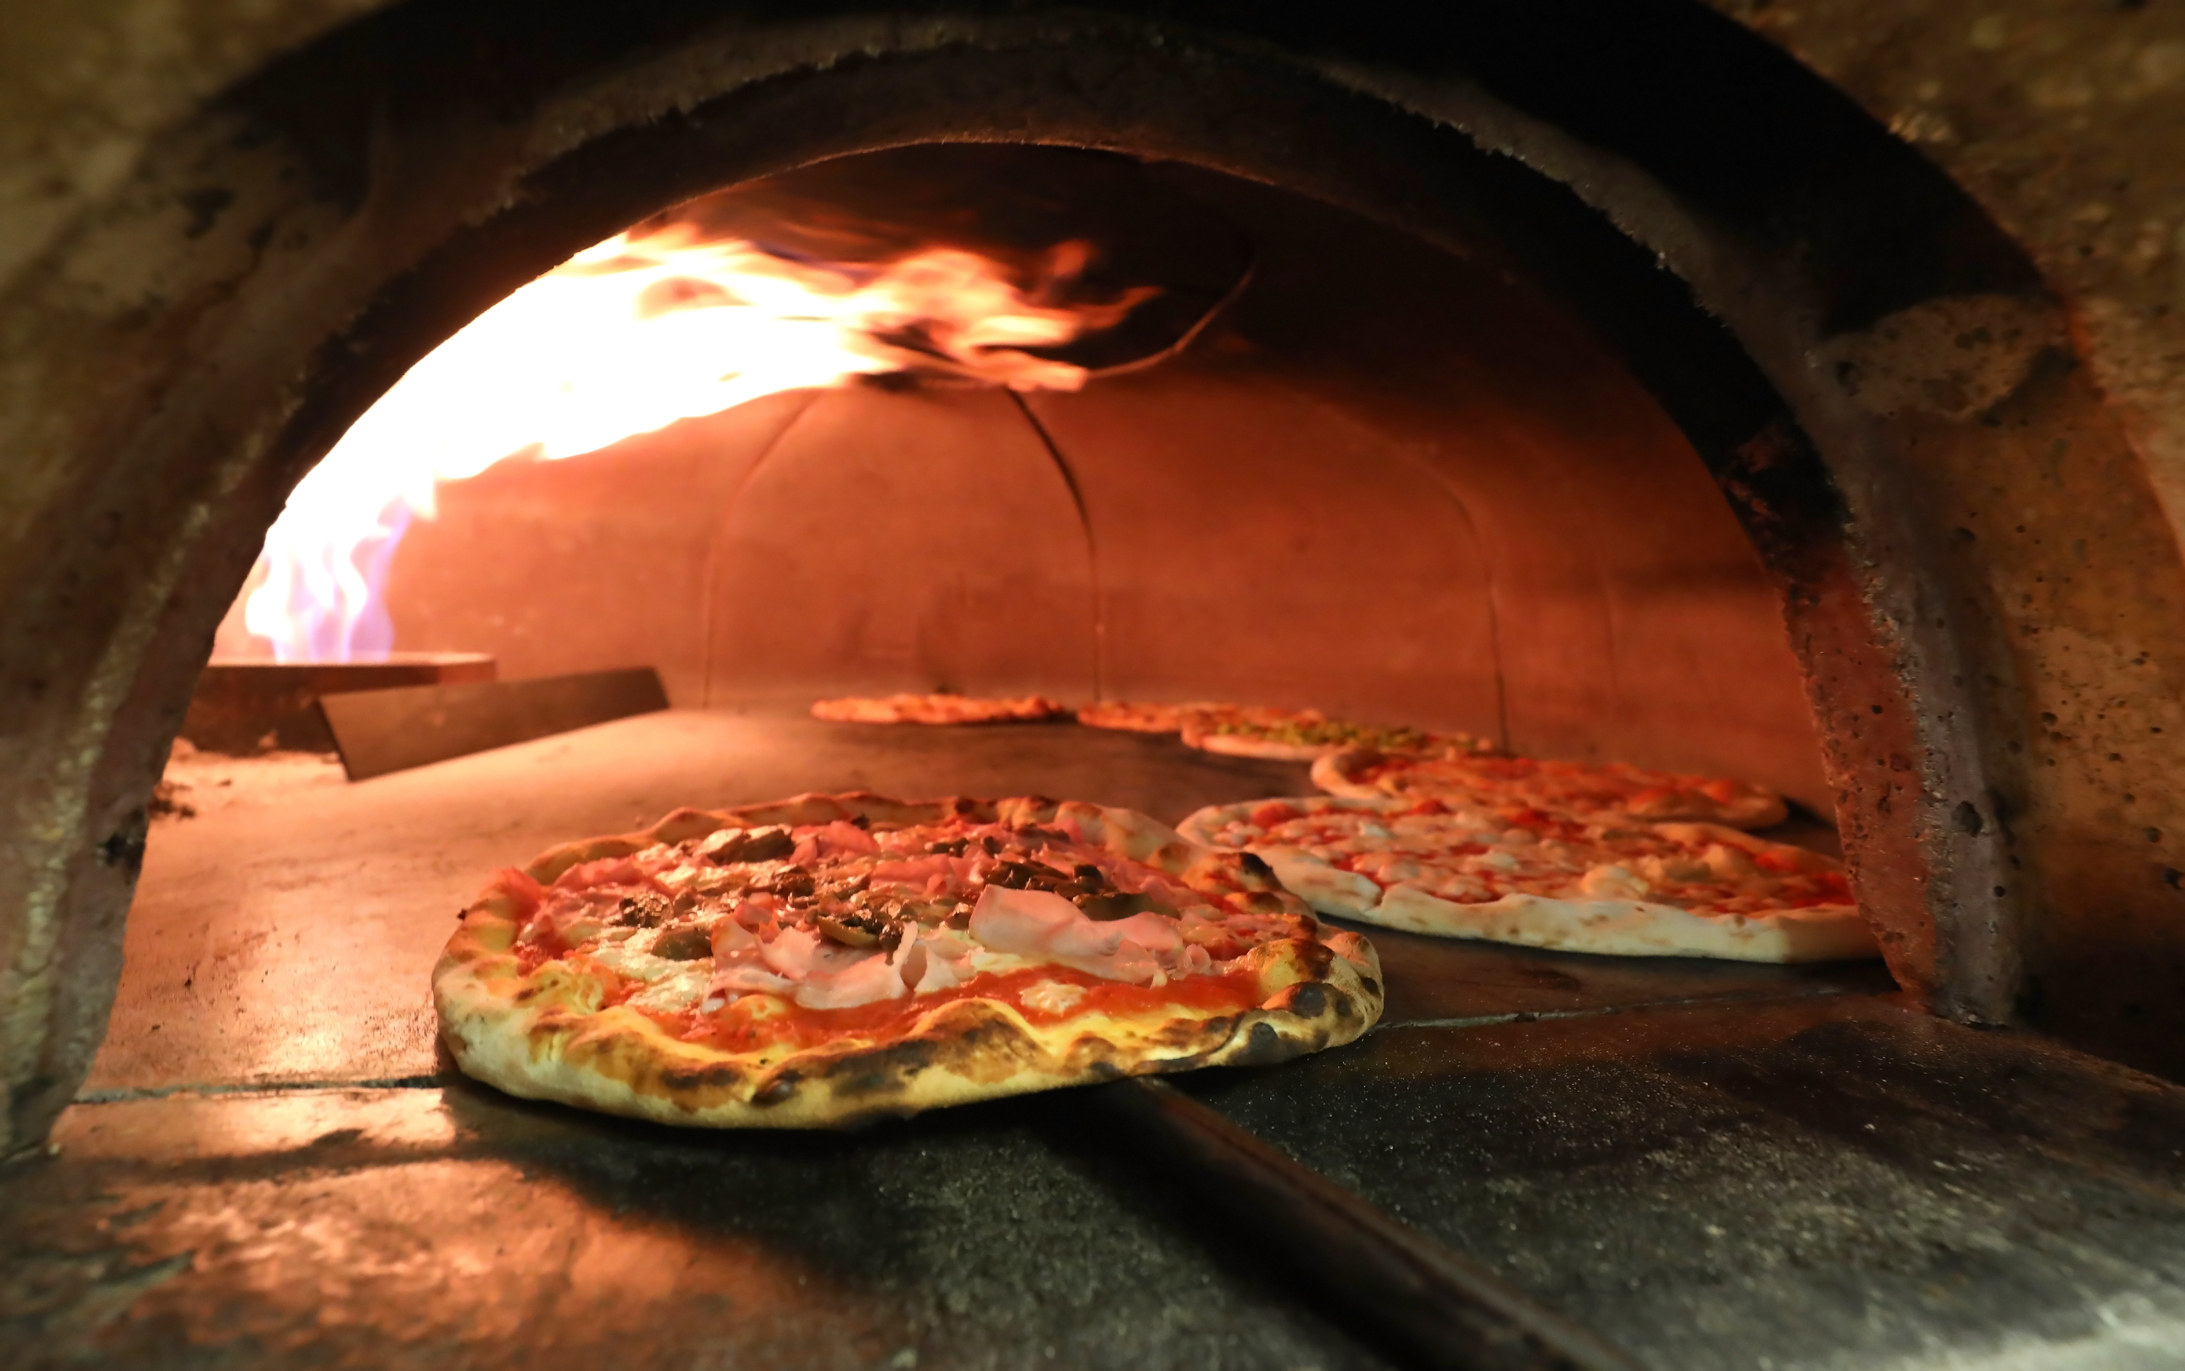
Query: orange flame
625,338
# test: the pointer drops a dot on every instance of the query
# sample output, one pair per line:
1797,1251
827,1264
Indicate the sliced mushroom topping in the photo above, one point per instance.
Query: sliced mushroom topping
645,909
790,883
750,845
862,898
1014,874
929,911
858,928
687,944
1104,906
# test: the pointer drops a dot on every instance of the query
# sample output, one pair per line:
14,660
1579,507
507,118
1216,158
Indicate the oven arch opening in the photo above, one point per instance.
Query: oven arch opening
358,231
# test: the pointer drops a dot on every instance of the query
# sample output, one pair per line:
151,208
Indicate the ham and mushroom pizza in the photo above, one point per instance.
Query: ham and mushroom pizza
940,708
1526,876
1464,775
829,959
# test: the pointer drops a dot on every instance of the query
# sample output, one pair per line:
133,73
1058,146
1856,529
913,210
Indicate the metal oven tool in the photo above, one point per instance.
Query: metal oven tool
379,731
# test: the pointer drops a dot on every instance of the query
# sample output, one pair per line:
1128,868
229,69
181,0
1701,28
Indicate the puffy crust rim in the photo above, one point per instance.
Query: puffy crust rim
1336,773
1245,745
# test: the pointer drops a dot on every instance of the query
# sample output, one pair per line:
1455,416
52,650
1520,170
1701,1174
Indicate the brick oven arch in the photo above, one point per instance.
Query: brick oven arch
1875,375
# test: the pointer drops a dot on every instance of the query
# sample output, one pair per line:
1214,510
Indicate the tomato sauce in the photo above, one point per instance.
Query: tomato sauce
533,955
782,1024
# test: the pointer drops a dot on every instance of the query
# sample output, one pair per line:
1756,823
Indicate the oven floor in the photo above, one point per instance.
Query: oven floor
1710,1165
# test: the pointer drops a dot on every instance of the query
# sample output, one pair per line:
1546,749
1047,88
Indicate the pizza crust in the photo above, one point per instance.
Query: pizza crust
1244,745
1616,927
544,1035
1346,772
1134,716
1337,773
939,708
1623,928
1243,731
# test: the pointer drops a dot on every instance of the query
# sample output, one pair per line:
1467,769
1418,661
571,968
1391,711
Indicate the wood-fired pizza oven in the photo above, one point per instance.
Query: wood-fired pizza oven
1601,378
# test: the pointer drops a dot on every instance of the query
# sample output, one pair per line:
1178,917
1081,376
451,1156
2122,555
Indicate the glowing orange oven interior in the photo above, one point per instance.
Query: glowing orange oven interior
1668,411
1306,460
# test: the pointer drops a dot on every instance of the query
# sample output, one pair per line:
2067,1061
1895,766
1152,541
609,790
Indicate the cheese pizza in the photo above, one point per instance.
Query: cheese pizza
1606,791
1518,875
828,959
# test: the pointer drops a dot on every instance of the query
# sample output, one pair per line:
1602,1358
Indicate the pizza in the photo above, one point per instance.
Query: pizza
1304,735
1605,791
939,708
1139,717
1520,875
831,958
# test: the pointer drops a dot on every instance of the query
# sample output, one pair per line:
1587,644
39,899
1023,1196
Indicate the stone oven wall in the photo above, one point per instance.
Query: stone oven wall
1380,482
1948,421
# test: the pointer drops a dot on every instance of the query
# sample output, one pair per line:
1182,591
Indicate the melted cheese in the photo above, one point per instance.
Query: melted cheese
675,992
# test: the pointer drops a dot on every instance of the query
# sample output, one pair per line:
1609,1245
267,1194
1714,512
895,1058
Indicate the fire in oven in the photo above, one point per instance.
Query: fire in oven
1077,689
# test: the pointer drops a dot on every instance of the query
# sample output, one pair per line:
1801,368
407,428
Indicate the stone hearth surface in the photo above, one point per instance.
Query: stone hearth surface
1709,1165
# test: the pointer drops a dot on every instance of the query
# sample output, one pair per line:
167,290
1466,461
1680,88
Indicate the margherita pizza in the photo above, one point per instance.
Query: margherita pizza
1605,792
831,958
938,709
1524,876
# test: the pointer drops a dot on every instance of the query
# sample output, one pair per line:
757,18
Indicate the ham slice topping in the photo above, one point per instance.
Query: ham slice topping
819,974
610,871
832,840
854,917
932,874
1042,925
